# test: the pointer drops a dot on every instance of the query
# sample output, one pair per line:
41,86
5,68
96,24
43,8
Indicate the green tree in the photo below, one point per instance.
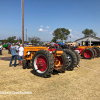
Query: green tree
4,41
54,39
61,33
11,39
34,39
88,32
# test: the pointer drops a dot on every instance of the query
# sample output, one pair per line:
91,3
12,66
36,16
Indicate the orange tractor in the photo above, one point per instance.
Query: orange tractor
44,61
89,52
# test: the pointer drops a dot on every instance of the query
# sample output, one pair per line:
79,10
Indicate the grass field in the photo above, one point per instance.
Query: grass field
82,83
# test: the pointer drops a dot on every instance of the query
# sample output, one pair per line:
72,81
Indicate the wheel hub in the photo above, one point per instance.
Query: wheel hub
70,60
87,54
41,63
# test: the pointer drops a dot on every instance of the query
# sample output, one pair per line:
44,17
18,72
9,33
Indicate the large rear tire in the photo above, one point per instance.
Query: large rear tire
88,54
78,56
43,63
72,59
94,52
64,62
97,51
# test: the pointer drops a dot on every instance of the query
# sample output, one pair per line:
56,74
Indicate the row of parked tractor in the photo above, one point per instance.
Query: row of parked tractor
44,60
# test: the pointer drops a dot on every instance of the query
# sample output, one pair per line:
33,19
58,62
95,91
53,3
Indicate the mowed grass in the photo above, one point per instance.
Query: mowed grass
83,83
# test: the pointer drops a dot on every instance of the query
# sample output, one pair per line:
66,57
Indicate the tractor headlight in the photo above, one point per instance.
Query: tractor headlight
28,53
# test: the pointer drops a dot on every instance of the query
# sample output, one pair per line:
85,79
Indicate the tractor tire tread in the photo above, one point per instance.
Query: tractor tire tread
90,51
78,56
74,59
97,48
65,62
50,61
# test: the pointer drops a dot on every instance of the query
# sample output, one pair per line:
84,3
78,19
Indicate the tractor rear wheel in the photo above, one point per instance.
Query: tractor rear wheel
43,63
88,54
72,59
94,52
62,62
78,56
97,51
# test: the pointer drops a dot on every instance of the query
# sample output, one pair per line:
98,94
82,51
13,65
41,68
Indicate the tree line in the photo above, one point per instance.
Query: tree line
59,33
14,40
11,40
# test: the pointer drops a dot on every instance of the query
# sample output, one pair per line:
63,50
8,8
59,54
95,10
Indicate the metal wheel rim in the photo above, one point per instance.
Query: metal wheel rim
87,54
70,60
36,66
59,62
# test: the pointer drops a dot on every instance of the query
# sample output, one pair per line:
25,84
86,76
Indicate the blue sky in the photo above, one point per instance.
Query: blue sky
42,17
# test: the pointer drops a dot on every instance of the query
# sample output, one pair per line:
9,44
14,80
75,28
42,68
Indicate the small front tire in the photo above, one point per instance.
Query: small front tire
24,65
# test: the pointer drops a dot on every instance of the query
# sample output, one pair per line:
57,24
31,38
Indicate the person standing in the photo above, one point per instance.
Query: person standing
56,45
21,53
17,46
0,49
9,52
14,54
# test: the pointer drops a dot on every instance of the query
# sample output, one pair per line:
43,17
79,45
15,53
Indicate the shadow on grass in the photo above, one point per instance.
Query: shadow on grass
5,58
16,64
53,73
87,58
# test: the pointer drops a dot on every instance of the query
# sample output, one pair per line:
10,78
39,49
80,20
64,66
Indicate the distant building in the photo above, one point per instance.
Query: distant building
71,43
88,41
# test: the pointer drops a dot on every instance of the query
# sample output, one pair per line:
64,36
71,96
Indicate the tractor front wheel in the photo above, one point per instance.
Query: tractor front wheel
28,65
24,65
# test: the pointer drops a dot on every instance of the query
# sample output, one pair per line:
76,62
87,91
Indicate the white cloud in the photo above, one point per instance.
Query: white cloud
47,27
70,30
40,30
41,26
51,32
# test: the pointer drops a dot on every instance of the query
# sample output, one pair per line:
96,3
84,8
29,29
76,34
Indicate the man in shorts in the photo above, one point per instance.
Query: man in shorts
21,53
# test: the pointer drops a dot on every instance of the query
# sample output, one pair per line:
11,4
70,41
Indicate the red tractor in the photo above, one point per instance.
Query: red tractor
88,52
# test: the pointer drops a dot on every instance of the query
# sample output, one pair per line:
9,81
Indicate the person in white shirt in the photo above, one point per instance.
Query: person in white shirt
0,49
21,53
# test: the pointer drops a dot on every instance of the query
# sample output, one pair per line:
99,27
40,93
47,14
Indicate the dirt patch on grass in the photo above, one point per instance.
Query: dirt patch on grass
82,83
